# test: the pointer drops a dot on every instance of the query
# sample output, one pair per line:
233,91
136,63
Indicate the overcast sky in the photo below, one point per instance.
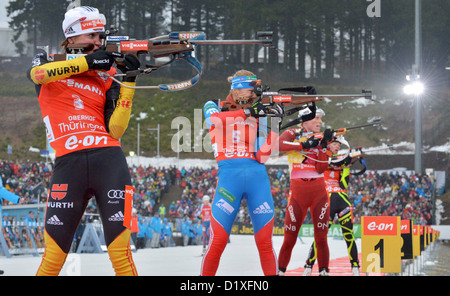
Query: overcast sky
3,18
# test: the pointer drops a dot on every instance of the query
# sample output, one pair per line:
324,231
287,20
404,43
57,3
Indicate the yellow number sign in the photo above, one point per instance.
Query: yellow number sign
381,244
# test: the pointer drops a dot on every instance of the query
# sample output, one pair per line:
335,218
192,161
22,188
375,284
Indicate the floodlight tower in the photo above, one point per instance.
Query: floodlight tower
416,88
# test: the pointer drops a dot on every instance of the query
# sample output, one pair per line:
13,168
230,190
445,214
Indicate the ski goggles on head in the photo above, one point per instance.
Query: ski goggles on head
243,82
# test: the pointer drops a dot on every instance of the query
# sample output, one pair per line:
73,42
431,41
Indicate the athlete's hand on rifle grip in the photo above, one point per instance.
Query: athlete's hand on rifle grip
100,60
347,161
311,142
256,110
327,137
130,66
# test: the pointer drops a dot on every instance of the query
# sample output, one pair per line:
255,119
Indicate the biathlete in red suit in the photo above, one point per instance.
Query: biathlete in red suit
337,177
307,189
85,113
242,174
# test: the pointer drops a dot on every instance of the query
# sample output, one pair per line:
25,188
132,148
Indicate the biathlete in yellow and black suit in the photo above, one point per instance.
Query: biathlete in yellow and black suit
85,114
337,178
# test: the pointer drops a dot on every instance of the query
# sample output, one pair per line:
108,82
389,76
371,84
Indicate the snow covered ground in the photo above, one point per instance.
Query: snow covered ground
240,258
398,149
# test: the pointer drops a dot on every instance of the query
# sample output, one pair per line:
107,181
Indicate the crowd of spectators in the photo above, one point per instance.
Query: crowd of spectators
28,179
150,185
197,182
194,184
393,194
373,193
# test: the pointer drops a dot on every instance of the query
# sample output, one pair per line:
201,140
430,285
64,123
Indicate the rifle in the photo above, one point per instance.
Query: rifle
357,154
360,152
336,133
339,132
175,46
301,98
271,98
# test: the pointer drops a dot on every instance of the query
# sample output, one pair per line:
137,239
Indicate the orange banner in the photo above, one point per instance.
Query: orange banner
374,225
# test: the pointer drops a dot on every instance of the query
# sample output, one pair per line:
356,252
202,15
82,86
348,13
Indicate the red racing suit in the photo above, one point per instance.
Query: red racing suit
307,191
336,180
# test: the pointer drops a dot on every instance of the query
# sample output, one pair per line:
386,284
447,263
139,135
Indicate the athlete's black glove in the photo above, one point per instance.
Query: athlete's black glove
100,60
256,110
327,137
129,66
311,142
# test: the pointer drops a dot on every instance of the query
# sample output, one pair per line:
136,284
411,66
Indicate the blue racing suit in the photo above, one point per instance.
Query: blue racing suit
240,156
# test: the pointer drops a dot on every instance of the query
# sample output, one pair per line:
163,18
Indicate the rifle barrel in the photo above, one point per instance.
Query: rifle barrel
364,125
215,42
345,96
325,96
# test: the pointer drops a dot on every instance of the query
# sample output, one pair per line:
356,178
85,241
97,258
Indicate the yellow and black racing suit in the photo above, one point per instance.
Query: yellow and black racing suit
85,113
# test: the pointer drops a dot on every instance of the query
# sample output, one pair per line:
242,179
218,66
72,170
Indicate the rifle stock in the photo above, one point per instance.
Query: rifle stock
289,99
336,133
75,49
271,99
156,48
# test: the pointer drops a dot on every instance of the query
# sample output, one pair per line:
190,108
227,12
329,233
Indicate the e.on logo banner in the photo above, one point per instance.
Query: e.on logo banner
406,227
380,225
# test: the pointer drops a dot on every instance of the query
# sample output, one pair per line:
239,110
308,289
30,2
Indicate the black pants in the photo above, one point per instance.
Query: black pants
101,173
341,206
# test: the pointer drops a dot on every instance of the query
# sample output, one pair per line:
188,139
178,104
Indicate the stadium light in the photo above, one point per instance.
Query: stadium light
415,88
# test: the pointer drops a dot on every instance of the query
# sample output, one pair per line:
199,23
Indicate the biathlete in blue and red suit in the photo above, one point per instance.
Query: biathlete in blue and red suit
206,220
235,137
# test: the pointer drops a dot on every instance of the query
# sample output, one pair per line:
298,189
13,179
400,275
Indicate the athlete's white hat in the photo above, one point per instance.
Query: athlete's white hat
206,198
340,139
320,111
83,20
